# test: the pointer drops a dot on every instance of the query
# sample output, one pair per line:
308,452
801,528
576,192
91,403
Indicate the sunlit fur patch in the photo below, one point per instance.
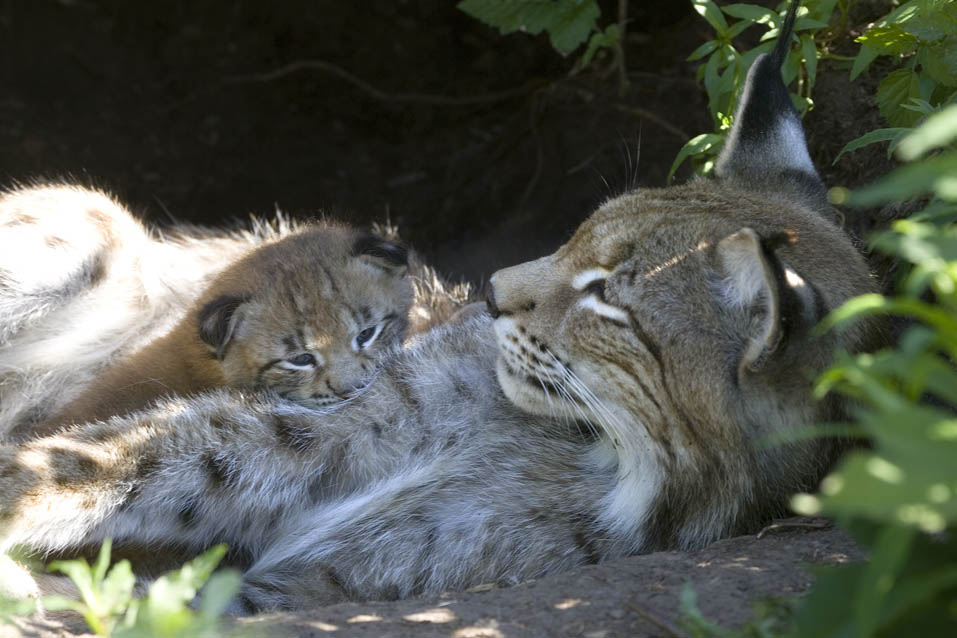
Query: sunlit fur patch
794,280
600,308
582,279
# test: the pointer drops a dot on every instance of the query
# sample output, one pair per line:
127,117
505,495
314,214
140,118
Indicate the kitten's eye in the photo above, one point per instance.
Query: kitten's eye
365,338
302,360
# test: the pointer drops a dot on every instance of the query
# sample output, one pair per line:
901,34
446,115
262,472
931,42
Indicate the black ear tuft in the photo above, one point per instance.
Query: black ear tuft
766,147
392,254
216,322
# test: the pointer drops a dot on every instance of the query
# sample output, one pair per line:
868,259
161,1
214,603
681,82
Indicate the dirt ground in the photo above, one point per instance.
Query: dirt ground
636,597
482,149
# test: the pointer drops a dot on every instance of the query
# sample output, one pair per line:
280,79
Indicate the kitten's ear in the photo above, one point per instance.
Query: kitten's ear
766,148
749,284
218,321
381,253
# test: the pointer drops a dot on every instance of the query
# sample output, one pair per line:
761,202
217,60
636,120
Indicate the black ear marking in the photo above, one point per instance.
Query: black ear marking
216,322
766,147
391,253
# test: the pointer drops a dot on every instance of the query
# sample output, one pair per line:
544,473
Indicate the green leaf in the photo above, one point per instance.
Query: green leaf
102,562
820,10
10,609
935,21
738,28
791,67
875,304
79,572
807,24
568,23
710,12
571,28
889,40
711,81
62,603
695,146
747,59
752,13
166,612
939,61
599,40
703,50
117,588
895,89
909,181
893,135
809,51
825,608
913,594
863,60
886,561
919,243
218,592
940,129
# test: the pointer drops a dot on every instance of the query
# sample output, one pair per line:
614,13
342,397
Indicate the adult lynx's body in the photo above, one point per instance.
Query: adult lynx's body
642,365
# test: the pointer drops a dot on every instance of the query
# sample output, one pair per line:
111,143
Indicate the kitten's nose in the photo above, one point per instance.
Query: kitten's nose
490,301
349,389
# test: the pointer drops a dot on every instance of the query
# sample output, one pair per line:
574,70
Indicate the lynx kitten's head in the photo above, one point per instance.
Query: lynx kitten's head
306,316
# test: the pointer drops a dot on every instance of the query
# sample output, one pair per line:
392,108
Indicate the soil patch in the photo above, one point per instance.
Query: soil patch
635,597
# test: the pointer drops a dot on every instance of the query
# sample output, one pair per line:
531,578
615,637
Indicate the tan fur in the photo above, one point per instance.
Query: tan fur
305,294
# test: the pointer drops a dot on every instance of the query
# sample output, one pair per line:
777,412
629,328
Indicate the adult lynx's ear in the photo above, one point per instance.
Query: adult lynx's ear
766,148
381,253
218,320
749,284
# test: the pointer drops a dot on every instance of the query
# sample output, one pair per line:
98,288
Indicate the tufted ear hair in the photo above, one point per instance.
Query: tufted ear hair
381,253
749,283
218,320
766,148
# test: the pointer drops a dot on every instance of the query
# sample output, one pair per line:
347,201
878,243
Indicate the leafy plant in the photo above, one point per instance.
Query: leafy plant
568,23
109,608
771,618
724,68
104,595
921,35
900,497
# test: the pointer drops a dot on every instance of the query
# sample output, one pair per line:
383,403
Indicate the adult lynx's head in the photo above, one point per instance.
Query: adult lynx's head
678,322
306,316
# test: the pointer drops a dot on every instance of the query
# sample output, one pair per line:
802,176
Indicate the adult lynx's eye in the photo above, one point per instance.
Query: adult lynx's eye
303,360
597,288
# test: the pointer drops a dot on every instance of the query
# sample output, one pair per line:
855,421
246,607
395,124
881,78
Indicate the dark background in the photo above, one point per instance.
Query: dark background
196,111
